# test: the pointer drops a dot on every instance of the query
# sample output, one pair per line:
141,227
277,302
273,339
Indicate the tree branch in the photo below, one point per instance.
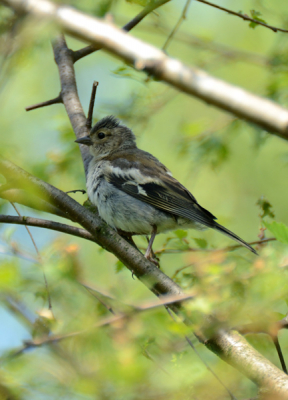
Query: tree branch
106,237
261,371
151,6
44,223
56,100
149,59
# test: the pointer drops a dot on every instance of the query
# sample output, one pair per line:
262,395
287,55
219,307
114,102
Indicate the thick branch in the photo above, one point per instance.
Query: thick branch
106,237
261,371
143,56
151,6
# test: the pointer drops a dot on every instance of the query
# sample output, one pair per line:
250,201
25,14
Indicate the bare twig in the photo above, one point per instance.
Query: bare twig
91,105
280,354
209,368
107,306
57,100
46,224
177,26
224,249
145,57
243,16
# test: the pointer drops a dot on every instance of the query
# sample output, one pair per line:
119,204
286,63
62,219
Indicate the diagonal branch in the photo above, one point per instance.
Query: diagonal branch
56,100
150,7
106,237
149,59
244,16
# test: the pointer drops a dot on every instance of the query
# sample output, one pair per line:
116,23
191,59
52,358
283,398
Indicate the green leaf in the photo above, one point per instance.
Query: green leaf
202,243
279,230
256,15
265,207
181,234
119,266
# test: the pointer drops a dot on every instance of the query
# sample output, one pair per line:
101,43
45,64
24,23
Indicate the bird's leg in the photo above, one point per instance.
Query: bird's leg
149,251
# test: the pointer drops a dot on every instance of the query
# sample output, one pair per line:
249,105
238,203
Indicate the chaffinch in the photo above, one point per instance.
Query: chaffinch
134,192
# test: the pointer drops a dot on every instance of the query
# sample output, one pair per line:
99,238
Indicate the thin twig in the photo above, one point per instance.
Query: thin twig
209,368
38,257
44,223
57,100
223,249
199,356
243,16
92,292
177,26
91,105
280,354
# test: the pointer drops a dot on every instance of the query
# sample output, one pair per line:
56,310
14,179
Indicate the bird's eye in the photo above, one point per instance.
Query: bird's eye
101,135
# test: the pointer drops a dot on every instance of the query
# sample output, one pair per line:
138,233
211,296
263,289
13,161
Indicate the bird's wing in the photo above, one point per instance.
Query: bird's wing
149,181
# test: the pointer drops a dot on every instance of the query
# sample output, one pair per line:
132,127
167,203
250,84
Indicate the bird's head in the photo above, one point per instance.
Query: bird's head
107,137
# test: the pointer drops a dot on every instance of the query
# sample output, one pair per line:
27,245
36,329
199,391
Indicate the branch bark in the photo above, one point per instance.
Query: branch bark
106,237
149,59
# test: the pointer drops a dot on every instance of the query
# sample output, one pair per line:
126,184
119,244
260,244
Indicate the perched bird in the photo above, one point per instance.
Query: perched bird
134,192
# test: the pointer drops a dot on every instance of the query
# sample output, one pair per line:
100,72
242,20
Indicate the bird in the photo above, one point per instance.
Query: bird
134,192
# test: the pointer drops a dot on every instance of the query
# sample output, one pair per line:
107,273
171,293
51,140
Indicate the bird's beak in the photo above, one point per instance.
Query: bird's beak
85,140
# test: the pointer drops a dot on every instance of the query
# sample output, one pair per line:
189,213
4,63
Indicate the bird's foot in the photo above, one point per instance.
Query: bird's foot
149,254
152,258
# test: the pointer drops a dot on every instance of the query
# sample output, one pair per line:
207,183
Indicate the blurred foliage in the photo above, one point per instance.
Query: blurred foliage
230,166
256,15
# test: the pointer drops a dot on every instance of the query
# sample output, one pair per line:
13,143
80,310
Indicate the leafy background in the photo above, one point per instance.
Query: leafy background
227,164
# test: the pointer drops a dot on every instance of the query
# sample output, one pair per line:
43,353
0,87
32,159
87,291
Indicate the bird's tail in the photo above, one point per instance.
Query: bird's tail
232,235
